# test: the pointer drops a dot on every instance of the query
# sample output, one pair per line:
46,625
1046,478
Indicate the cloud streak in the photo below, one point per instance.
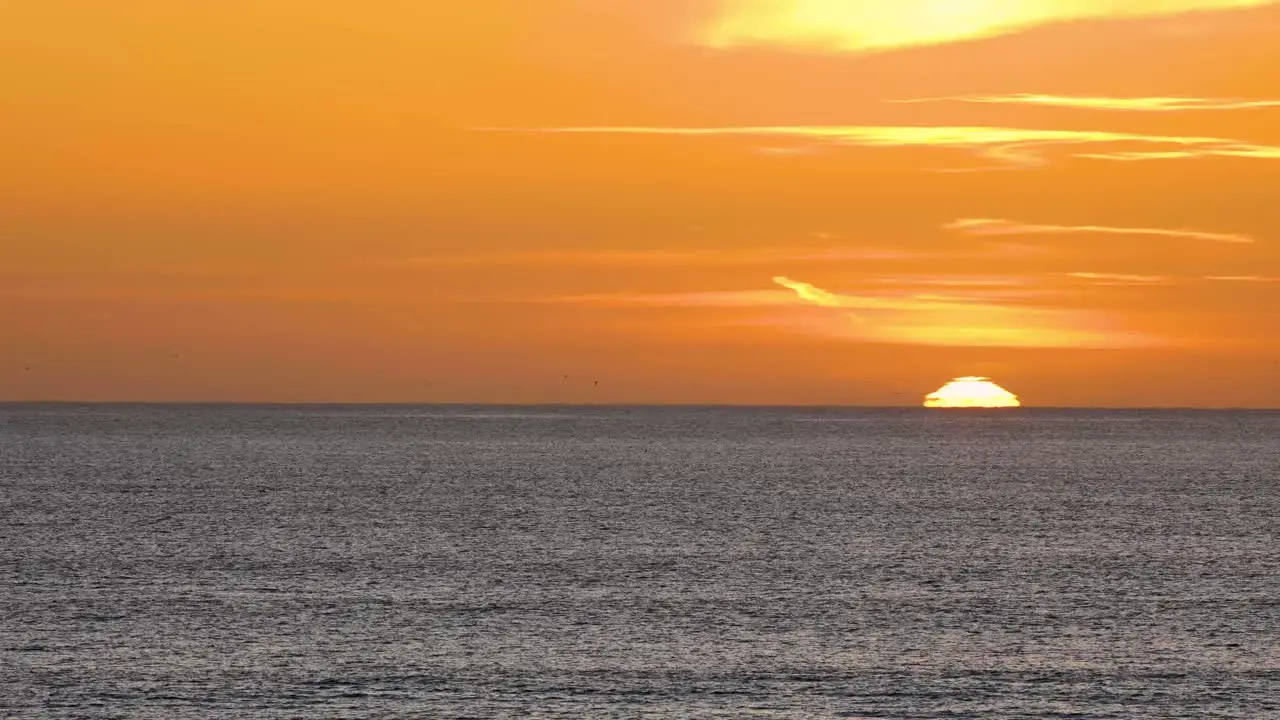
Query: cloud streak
1119,278
1009,147
808,292
1132,104
855,26
994,226
1242,278
903,318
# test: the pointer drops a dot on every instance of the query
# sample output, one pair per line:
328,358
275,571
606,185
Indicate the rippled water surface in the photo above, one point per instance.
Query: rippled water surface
381,562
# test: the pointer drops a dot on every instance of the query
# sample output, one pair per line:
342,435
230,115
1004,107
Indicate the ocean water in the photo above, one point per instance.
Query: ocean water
485,562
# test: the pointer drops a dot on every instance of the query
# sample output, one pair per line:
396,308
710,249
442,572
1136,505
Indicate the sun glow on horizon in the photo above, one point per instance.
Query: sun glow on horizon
971,392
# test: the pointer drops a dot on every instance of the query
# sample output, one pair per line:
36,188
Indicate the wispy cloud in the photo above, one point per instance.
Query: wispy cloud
1130,104
789,298
1010,147
1242,151
805,291
955,281
1119,278
1242,278
870,25
904,318
996,226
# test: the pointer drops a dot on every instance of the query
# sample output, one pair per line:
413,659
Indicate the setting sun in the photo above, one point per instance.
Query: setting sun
971,392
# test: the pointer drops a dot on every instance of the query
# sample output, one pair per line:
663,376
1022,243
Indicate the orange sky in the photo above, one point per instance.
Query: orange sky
690,201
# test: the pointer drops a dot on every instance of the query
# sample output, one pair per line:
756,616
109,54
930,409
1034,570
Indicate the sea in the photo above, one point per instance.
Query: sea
238,561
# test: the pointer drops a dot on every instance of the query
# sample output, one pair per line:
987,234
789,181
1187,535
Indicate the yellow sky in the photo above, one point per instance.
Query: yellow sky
865,25
758,201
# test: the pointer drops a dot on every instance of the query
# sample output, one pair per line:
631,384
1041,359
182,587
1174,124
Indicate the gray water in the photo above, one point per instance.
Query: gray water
381,562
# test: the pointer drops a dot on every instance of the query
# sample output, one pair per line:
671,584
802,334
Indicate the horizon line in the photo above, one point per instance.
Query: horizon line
621,405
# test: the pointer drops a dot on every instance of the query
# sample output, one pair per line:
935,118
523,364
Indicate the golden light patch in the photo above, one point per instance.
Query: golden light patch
905,316
1007,147
861,25
971,392
996,226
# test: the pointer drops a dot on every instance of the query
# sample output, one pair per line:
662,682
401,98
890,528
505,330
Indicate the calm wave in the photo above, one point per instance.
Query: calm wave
448,562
